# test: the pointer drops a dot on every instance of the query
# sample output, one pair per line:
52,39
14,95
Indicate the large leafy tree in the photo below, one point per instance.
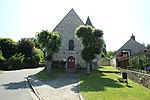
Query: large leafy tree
37,45
92,43
7,47
50,42
26,47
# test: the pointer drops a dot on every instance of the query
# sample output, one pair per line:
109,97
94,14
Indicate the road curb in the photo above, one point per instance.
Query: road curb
80,96
29,80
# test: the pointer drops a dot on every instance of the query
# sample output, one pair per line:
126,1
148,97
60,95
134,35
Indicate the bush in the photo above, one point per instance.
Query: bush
7,47
37,57
15,61
1,57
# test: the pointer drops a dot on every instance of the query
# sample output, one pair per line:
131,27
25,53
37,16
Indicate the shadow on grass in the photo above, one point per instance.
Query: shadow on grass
97,81
129,86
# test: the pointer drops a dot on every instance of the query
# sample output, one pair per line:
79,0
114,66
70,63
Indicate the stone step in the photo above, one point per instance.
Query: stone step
70,70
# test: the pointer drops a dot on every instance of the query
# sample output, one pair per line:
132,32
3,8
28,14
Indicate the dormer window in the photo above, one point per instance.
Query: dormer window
71,45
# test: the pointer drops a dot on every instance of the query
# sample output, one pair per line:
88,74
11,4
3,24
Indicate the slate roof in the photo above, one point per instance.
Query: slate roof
71,12
88,22
132,46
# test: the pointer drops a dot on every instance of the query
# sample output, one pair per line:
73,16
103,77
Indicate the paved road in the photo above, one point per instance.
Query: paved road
13,84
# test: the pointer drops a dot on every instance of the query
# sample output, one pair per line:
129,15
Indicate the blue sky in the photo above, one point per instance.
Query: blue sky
117,18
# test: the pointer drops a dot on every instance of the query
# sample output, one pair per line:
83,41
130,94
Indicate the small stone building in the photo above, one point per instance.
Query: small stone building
70,50
129,48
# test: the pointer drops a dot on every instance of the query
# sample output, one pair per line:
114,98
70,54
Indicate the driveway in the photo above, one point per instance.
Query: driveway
13,84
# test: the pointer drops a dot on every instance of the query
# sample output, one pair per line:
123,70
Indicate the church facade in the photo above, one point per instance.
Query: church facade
70,50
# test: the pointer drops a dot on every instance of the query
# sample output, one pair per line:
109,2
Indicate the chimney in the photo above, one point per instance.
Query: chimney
133,37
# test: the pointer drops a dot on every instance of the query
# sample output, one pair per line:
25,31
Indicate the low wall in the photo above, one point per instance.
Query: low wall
113,62
104,62
141,78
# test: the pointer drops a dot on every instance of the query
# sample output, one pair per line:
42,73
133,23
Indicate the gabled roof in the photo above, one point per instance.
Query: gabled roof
132,46
88,22
71,12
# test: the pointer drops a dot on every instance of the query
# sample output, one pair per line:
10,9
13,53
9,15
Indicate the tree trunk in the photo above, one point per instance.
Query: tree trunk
49,67
48,64
87,68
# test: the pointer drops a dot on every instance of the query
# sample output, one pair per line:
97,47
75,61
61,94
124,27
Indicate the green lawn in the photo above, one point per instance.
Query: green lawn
107,68
105,86
42,75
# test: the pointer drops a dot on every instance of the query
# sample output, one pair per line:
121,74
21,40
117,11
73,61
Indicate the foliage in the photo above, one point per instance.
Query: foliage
139,62
15,61
37,45
37,56
148,46
50,42
25,54
104,86
26,47
8,47
92,43
109,54
1,57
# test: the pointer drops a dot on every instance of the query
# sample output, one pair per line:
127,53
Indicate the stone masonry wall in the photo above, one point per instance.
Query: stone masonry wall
67,29
141,78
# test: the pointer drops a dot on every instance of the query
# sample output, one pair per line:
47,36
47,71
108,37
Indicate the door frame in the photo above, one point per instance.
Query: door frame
71,62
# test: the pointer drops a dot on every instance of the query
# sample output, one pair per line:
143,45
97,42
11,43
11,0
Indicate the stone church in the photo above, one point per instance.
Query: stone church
70,49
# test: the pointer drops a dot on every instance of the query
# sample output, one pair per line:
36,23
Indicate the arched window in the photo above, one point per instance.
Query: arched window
71,45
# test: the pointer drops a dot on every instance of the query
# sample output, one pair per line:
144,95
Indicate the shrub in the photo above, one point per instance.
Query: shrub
7,47
2,60
1,57
26,47
37,56
15,61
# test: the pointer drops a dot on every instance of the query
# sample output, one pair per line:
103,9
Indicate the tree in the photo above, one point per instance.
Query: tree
92,43
148,47
50,42
37,45
37,57
26,47
16,61
8,47
109,54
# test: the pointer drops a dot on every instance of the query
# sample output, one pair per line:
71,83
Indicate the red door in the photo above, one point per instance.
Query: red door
71,62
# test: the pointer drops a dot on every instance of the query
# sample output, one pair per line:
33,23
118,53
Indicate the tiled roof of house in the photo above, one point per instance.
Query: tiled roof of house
132,46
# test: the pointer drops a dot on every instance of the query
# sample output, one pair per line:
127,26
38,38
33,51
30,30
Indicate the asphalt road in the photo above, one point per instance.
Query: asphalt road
13,84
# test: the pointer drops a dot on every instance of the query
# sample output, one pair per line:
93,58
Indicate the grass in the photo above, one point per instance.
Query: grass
107,68
105,86
42,75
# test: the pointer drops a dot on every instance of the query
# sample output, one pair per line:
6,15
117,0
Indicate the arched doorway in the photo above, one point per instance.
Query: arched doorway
71,62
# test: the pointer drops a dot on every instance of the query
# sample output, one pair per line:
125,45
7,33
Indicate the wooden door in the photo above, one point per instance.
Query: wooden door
71,62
